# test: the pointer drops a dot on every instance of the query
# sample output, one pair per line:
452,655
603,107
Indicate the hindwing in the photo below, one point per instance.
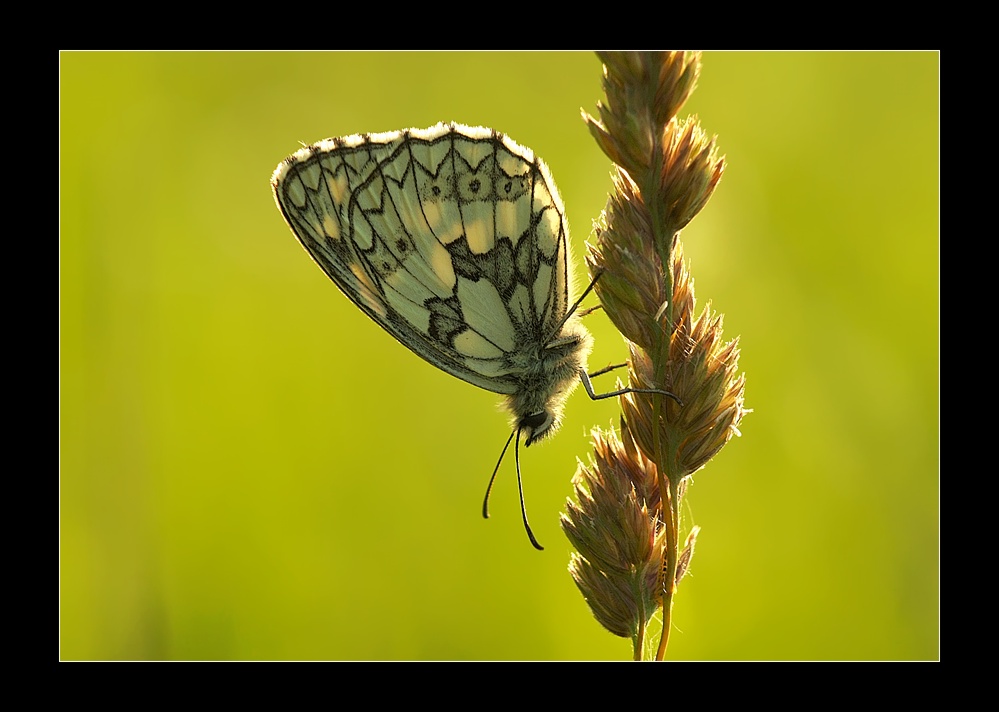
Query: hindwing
453,238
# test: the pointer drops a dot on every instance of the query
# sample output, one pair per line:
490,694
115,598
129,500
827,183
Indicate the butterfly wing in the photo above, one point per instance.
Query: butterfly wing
452,238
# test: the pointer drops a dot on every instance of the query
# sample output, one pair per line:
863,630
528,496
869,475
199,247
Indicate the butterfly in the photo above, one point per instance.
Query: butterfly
454,240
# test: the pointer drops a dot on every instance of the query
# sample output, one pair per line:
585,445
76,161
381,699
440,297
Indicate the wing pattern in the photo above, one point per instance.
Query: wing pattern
452,238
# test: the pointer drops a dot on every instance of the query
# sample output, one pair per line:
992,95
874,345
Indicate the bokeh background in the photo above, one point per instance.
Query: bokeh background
251,469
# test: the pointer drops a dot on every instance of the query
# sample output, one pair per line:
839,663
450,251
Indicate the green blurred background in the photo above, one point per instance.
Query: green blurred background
252,469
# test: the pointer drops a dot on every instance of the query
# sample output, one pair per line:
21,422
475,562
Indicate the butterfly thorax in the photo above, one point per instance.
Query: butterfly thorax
546,375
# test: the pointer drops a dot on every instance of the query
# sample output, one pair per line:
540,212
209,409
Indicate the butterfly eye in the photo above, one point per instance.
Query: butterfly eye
535,425
534,421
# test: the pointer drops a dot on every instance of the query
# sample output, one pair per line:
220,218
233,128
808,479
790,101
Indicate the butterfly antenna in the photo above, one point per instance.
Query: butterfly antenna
593,283
575,305
590,310
489,489
520,488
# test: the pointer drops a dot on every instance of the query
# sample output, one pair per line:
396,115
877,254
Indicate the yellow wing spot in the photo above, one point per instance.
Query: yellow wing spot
548,233
339,189
512,218
511,164
331,227
368,291
443,267
479,233
444,220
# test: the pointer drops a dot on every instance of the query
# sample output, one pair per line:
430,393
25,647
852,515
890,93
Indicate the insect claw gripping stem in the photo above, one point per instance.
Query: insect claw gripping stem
584,377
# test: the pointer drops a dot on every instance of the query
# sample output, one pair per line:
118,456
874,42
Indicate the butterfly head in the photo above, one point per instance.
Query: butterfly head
537,426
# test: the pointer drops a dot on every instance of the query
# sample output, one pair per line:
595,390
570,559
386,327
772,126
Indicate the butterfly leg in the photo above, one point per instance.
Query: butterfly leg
587,312
588,385
607,369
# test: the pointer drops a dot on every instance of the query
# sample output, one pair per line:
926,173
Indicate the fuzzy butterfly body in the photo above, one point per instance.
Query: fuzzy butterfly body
453,239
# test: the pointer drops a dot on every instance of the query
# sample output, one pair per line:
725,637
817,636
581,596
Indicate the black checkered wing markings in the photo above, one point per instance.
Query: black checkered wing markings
487,280
481,257
527,246
327,181
323,184
363,193
528,218
396,212
306,200
414,272
481,333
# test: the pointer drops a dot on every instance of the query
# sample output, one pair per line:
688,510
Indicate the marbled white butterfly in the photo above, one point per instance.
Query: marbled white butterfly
453,239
